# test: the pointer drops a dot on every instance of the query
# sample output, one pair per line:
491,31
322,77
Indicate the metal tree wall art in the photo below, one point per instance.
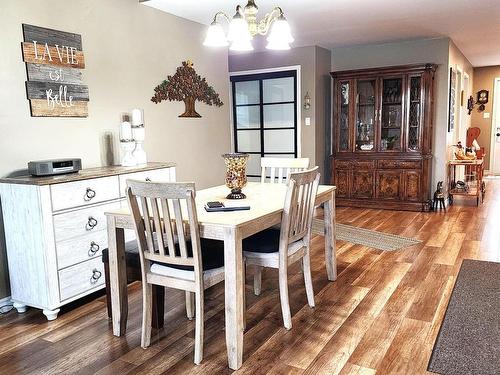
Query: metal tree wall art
186,86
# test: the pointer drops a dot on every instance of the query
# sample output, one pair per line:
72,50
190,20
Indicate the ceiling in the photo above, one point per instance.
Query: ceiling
473,25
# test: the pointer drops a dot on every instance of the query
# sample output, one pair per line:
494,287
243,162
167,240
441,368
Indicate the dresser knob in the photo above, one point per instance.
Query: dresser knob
91,223
94,248
96,275
89,194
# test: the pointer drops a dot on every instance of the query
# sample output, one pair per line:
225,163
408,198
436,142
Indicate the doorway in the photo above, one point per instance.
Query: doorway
495,131
265,116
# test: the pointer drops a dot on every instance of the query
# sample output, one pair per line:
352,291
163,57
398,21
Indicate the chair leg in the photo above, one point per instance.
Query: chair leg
244,280
257,280
158,303
198,333
190,296
285,304
108,289
306,263
147,292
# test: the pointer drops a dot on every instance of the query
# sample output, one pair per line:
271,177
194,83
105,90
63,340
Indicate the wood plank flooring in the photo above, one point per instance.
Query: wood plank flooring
381,316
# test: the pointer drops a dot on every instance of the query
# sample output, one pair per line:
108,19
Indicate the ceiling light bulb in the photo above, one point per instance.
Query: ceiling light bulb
241,45
238,29
280,32
215,36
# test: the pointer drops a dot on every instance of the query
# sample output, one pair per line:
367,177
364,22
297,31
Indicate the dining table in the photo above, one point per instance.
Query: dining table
266,203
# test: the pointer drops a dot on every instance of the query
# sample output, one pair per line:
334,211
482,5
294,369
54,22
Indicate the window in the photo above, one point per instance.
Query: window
265,116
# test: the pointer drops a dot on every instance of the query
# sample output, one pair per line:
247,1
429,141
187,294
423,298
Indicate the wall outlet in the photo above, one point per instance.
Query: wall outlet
486,115
308,121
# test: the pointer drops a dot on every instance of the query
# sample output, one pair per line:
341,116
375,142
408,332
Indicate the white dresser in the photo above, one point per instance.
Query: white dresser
55,230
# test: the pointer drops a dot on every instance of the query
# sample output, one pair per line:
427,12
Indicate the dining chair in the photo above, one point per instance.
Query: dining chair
171,252
279,169
278,248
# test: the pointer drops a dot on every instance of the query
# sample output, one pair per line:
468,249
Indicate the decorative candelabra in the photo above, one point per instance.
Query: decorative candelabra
127,145
139,134
236,177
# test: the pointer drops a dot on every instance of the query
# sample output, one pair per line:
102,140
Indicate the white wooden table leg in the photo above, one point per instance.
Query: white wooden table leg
233,265
330,253
118,277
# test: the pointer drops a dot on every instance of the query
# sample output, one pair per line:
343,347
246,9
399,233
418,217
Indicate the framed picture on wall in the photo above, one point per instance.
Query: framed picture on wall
452,100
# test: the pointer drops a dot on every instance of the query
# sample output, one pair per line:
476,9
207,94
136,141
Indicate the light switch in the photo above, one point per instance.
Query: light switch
308,121
486,115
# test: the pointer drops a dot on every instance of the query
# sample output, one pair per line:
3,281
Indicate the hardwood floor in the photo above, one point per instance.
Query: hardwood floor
381,316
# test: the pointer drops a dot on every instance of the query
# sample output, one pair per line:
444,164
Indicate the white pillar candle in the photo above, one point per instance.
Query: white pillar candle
126,131
139,133
137,117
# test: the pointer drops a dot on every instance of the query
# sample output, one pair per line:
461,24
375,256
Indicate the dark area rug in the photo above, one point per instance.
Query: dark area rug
469,339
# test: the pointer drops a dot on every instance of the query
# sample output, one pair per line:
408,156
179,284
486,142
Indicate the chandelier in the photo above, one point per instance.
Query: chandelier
244,26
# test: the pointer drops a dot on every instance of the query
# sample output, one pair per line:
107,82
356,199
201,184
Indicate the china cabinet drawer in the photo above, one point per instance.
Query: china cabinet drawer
363,164
79,249
81,222
156,175
81,193
81,278
342,164
396,164
355,164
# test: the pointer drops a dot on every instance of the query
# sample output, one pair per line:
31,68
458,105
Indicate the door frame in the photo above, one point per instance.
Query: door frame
496,96
298,100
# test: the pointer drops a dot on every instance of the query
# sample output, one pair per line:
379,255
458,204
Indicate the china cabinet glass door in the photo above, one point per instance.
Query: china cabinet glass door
414,113
391,117
365,115
344,101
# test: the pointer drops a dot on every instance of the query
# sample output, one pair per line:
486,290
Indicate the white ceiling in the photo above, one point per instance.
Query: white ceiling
474,25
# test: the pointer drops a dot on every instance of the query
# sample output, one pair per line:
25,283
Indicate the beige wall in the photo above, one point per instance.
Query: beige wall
129,49
315,66
411,52
464,69
484,79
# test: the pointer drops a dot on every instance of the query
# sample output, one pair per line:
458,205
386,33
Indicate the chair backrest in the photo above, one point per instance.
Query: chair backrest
298,212
157,209
279,169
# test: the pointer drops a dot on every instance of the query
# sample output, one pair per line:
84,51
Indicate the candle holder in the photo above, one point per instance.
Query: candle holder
236,178
128,159
139,136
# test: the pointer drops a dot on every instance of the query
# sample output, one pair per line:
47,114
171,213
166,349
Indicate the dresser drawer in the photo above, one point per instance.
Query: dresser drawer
363,164
79,249
81,278
85,192
78,223
156,175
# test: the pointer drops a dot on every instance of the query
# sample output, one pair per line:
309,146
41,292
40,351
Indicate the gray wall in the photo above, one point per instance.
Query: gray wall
315,66
129,49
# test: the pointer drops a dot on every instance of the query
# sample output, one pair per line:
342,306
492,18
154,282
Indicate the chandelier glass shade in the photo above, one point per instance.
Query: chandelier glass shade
243,26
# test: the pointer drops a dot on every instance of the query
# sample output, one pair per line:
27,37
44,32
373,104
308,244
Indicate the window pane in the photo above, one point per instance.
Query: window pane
278,90
279,116
279,140
253,165
280,156
249,141
247,92
248,117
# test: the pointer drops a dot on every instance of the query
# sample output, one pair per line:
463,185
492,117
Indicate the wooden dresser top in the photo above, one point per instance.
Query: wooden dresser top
84,174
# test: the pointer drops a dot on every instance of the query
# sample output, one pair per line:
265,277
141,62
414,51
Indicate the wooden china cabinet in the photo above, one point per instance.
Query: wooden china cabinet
382,137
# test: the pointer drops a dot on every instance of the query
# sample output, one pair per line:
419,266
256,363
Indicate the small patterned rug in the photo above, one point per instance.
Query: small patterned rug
372,238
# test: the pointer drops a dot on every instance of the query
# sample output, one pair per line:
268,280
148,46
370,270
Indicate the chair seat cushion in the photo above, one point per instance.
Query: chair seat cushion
212,255
131,253
267,241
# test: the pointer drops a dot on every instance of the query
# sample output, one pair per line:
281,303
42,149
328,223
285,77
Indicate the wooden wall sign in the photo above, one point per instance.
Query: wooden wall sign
54,62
